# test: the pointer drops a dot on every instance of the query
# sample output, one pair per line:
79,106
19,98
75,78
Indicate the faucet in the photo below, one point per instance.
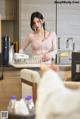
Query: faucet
58,42
73,43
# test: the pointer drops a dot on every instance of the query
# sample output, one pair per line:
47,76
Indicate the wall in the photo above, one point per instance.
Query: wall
68,22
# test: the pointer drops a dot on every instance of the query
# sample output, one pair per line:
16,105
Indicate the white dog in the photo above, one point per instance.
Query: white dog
54,100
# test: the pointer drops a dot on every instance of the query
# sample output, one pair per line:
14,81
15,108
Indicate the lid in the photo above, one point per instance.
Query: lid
13,97
28,97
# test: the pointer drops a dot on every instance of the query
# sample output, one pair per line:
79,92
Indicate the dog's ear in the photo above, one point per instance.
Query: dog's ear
54,67
43,68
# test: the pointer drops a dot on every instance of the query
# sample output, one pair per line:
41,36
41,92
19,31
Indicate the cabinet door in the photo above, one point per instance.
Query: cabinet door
8,9
10,85
0,33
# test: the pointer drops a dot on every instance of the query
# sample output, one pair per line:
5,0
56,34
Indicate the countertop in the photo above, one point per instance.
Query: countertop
65,67
62,67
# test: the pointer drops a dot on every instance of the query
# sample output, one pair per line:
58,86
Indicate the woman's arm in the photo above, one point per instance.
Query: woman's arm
53,52
24,45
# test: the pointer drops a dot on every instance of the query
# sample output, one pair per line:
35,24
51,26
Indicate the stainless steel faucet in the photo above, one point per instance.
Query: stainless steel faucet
73,43
58,42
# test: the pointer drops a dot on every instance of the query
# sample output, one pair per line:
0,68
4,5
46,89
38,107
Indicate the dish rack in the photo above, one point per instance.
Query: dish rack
27,60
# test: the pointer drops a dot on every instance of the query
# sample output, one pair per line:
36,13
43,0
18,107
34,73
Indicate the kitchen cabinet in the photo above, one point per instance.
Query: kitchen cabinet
10,85
66,75
10,19
68,24
0,33
8,9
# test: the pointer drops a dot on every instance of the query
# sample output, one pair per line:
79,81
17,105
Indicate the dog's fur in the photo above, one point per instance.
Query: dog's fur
54,100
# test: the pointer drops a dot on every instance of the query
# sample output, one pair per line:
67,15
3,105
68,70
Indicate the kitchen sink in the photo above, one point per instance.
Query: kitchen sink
64,57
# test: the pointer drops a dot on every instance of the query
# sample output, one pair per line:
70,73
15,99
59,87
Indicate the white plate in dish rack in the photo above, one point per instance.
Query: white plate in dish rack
18,56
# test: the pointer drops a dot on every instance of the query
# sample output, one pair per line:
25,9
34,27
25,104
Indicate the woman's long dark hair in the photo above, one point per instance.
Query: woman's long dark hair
39,16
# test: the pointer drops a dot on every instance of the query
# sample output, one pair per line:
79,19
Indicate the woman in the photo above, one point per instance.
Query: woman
42,41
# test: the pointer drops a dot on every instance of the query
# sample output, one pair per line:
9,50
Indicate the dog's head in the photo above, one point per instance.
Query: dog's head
44,68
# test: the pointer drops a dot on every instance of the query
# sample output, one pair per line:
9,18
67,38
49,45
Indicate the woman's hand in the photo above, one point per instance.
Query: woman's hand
21,51
45,57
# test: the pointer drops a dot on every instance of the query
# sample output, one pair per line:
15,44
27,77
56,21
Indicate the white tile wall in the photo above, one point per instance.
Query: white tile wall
69,23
